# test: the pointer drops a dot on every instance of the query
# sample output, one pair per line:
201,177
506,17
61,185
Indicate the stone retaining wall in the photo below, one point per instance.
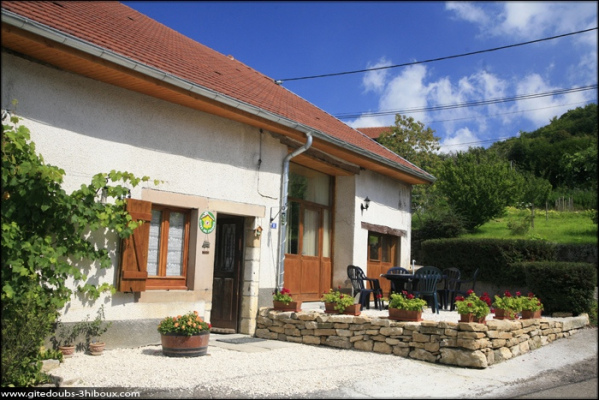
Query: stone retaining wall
461,344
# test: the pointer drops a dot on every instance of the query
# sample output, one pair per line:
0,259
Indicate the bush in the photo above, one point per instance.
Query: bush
562,286
26,322
494,257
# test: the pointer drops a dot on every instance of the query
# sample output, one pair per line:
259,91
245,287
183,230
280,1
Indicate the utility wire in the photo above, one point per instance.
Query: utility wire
280,81
467,104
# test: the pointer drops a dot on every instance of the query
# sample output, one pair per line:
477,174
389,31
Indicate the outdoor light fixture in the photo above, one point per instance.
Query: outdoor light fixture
366,204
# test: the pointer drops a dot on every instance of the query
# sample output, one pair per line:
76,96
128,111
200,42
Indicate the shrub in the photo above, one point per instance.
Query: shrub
563,286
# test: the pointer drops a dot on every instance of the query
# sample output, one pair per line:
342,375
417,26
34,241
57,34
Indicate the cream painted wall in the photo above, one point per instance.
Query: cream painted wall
389,206
87,127
205,162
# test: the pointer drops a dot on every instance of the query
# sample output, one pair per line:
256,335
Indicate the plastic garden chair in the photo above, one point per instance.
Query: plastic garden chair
358,277
450,278
426,287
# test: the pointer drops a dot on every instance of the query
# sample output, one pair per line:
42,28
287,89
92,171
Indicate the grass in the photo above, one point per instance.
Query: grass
573,227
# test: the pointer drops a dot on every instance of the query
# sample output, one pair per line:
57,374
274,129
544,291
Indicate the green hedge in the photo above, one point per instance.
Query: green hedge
494,257
562,286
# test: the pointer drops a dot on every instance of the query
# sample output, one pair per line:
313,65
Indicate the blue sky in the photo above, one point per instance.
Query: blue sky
286,40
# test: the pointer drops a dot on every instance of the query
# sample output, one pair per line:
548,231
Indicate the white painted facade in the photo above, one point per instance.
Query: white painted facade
205,162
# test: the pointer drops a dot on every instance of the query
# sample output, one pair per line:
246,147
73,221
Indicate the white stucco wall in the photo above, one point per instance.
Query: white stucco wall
389,206
204,161
87,127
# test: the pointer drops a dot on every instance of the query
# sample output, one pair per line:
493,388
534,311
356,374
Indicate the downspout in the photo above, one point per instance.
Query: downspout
283,209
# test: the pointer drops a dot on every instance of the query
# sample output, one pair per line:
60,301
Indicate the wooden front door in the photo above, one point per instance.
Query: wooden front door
307,260
226,282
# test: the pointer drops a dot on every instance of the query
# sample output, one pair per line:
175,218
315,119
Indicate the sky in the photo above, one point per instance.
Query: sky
420,50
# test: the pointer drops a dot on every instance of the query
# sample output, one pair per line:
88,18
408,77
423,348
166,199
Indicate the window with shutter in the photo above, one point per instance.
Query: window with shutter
156,255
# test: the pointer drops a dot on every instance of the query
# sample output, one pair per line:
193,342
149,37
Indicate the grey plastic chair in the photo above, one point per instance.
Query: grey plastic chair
426,287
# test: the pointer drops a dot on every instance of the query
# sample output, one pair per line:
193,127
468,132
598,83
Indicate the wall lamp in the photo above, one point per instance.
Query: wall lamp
366,204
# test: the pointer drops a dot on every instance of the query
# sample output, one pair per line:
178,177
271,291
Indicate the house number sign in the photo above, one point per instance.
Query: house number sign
207,222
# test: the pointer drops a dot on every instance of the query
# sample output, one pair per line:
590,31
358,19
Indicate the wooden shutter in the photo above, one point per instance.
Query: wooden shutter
134,260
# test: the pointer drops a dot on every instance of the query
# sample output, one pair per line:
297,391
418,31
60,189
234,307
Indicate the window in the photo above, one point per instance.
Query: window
168,248
381,247
156,255
309,212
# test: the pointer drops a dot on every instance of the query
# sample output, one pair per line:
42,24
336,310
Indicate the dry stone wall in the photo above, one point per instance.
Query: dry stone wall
460,344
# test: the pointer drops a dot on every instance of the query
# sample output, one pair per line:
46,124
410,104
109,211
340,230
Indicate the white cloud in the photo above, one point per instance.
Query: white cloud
468,12
406,90
375,80
527,19
459,141
543,109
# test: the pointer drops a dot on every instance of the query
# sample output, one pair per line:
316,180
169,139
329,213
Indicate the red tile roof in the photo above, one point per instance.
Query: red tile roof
120,29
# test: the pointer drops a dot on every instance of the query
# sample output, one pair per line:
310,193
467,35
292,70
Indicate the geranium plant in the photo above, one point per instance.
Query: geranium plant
188,324
512,305
284,296
478,306
341,300
406,301
530,303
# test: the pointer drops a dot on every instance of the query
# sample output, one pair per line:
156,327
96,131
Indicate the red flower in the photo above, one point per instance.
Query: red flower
378,296
518,293
459,298
507,293
531,295
469,292
410,296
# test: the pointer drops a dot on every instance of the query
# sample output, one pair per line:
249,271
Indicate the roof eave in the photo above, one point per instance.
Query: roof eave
47,32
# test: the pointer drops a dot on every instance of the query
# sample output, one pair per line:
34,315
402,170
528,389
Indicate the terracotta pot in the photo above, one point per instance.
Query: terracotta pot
505,314
526,314
351,310
178,345
97,348
405,315
292,306
67,351
470,317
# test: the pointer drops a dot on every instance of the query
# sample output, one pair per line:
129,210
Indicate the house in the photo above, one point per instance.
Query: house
260,188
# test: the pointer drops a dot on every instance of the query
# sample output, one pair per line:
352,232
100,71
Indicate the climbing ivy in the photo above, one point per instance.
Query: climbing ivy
47,239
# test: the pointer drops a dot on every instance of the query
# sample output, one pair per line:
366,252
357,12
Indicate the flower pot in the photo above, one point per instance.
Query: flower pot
179,345
351,310
470,317
67,351
292,306
527,314
501,313
405,315
97,348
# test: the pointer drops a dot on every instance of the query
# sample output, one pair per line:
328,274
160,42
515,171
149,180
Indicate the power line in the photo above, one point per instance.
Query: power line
466,104
507,113
280,81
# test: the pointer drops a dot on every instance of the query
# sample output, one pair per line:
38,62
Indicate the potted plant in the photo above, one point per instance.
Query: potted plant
282,301
93,330
508,306
405,307
64,338
531,306
473,308
184,335
337,302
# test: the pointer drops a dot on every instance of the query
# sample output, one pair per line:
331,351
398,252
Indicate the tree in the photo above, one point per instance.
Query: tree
418,145
411,140
479,185
45,241
535,192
